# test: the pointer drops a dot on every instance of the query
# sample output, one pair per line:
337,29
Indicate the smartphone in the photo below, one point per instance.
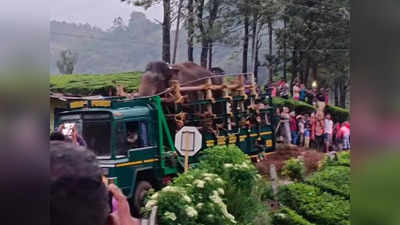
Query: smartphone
67,130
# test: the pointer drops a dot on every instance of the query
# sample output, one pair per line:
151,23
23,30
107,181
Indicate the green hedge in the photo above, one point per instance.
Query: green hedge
299,106
93,84
286,216
315,205
333,179
338,114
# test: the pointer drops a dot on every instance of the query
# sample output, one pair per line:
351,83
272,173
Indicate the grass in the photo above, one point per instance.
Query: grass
94,84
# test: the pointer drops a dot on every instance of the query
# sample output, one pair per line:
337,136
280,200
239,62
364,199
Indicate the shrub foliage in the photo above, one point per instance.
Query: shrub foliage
94,84
224,189
294,169
315,205
286,216
333,179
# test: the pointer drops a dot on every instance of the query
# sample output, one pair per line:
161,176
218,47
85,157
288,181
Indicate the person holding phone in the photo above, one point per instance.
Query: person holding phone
77,192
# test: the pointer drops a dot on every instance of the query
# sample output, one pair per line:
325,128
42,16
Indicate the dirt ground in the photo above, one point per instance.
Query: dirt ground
285,152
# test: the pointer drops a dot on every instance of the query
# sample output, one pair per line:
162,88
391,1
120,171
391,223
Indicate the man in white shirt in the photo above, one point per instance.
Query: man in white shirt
328,130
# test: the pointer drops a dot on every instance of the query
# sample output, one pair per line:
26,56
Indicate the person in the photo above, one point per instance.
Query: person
57,136
296,91
283,89
336,136
75,137
285,117
293,127
312,130
345,135
321,99
319,131
301,125
313,96
326,96
78,194
303,93
278,125
270,89
307,135
328,131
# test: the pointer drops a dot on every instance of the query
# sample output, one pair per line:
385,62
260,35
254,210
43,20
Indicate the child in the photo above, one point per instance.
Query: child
293,127
301,129
307,134
328,130
345,134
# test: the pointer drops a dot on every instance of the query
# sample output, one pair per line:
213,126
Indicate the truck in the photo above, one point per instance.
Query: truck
134,138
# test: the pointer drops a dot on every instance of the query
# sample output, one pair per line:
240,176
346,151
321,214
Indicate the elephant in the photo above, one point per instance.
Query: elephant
158,75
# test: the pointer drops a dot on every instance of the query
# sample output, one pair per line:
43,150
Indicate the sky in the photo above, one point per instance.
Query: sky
100,13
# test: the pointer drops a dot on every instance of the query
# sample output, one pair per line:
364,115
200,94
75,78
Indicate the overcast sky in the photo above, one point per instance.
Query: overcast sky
100,13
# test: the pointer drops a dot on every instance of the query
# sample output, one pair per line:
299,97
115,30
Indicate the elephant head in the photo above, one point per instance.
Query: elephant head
155,79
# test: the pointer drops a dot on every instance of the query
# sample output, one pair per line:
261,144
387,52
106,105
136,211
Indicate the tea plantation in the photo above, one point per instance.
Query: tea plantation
322,199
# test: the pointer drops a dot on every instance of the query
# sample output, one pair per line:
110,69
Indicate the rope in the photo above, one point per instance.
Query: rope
192,81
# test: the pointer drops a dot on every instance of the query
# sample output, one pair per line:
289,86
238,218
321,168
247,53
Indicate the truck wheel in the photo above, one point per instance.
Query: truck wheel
138,201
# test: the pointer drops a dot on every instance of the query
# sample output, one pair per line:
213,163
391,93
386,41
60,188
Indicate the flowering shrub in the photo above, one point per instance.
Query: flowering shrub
200,196
195,197
294,169
244,188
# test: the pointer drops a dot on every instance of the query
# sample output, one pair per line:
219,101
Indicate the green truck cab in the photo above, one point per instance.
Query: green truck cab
135,146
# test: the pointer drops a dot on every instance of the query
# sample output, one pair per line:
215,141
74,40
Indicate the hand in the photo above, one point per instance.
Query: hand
123,214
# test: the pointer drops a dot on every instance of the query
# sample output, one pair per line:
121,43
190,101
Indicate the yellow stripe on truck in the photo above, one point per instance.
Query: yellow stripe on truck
137,162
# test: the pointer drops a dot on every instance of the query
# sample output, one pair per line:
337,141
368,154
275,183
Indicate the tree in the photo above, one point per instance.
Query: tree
190,30
317,35
67,61
166,24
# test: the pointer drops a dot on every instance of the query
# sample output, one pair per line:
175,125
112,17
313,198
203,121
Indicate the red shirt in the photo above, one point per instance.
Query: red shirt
293,124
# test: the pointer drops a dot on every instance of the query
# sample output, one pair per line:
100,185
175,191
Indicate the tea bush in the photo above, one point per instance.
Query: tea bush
94,84
334,179
286,216
316,206
294,169
343,159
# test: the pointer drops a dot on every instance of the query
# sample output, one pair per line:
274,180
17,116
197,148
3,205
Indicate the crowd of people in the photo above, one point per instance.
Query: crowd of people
299,92
313,130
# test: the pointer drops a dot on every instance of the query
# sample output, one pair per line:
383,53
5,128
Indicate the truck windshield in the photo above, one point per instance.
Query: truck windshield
97,135
94,128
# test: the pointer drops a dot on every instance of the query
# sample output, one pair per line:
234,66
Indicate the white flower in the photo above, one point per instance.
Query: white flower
191,212
199,205
170,215
187,199
150,204
199,183
281,215
208,178
209,175
228,165
221,191
219,180
154,196
215,197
